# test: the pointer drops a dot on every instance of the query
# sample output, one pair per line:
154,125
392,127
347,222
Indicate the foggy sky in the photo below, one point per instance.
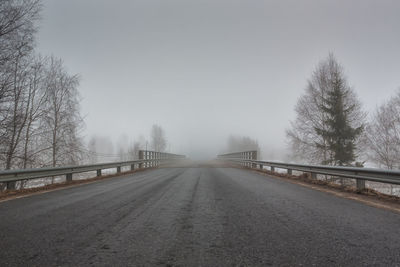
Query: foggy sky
206,69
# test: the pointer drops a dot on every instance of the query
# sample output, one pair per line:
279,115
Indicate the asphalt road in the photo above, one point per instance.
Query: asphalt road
195,217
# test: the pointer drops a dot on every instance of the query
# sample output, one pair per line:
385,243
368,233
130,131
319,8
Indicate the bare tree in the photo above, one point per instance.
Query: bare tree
17,107
17,29
383,134
133,150
242,143
17,26
40,121
62,121
92,147
101,149
304,136
158,140
36,100
139,144
122,147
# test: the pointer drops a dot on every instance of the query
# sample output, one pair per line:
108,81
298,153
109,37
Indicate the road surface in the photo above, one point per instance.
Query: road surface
195,217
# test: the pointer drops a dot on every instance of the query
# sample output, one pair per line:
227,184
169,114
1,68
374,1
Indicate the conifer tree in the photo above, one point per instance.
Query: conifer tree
330,121
339,133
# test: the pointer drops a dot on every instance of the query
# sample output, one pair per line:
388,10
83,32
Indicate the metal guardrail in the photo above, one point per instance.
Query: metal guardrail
243,155
154,157
251,154
360,174
147,159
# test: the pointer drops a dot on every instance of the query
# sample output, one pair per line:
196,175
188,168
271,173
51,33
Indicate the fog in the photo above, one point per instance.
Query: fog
205,70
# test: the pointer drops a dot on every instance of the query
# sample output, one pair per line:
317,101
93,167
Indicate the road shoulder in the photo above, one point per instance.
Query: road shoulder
368,197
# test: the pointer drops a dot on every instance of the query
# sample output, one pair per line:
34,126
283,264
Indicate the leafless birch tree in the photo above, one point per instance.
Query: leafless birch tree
383,134
17,28
40,120
158,139
242,143
62,121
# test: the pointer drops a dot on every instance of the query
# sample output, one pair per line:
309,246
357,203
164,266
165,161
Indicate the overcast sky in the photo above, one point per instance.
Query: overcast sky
206,69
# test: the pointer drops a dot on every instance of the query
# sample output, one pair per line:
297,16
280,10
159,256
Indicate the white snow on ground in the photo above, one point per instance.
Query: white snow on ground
380,187
76,176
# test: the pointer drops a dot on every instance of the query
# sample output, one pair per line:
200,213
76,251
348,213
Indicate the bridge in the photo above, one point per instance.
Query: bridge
165,210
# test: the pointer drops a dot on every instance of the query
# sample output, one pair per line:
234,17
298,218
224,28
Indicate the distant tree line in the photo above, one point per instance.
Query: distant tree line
241,144
40,121
331,127
101,149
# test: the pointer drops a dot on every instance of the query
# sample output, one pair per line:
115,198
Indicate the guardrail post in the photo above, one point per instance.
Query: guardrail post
69,177
272,169
253,155
132,167
98,172
289,171
118,169
360,184
150,157
261,166
141,158
11,185
313,175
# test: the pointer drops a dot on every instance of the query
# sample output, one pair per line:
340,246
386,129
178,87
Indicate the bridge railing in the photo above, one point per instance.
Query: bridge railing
146,159
154,158
359,174
244,155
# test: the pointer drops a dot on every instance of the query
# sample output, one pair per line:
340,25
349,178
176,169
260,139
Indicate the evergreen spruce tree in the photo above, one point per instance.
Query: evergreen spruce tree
338,133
